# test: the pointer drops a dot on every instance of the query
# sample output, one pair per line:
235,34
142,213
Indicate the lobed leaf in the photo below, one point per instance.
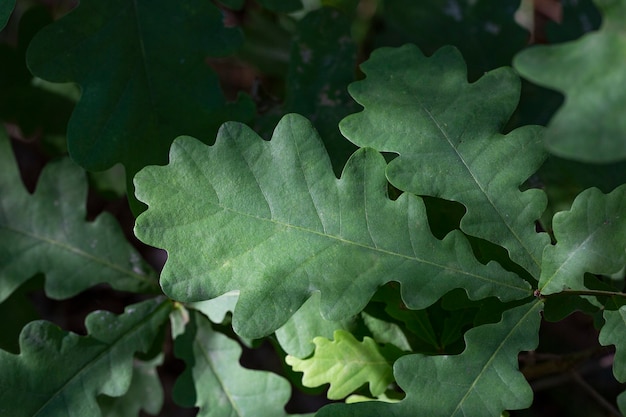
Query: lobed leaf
60,374
144,392
591,237
346,364
482,381
590,126
271,220
215,382
141,86
614,333
447,135
47,232
296,335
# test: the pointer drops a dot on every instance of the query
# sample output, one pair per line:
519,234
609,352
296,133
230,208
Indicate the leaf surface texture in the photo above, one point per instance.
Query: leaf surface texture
47,232
271,220
447,135
482,381
60,374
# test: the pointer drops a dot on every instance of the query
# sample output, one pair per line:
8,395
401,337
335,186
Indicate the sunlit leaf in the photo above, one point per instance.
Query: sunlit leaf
345,363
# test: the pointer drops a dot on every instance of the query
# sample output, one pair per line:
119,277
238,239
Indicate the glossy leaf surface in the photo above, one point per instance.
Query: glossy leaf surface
47,232
590,126
224,212
591,237
447,134
482,381
60,374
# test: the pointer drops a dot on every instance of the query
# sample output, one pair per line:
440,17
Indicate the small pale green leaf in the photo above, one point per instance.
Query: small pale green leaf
590,126
614,333
6,8
47,232
591,237
61,374
447,134
482,381
224,212
296,335
144,393
141,85
222,387
346,364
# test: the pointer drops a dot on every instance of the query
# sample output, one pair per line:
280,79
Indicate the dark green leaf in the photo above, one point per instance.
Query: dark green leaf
485,31
322,64
224,212
6,8
60,374
141,85
47,232
425,110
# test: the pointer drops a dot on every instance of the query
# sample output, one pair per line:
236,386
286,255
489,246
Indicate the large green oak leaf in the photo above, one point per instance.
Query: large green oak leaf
446,132
215,381
141,67
591,237
61,374
269,218
589,71
482,381
47,232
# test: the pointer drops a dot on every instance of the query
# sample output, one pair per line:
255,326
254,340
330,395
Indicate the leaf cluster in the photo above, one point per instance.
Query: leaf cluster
396,195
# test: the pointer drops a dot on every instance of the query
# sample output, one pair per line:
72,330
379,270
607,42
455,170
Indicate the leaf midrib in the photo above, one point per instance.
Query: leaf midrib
479,184
364,246
107,349
86,255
